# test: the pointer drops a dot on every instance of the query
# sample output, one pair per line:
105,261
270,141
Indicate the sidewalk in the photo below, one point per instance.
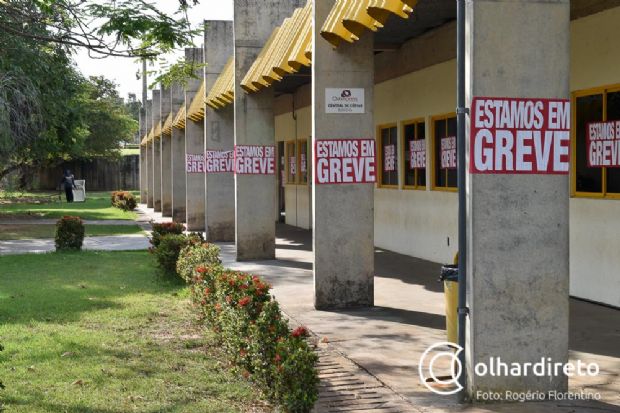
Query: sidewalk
369,357
388,339
104,243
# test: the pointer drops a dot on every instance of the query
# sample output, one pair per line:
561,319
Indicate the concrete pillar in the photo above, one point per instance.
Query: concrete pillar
219,136
141,133
143,174
343,214
255,195
149,156
156,152
177,141
517,254
194,145
166,156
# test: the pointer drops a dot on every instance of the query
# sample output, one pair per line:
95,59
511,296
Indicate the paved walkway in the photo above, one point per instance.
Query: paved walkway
388,340
103,243
31,221
369,357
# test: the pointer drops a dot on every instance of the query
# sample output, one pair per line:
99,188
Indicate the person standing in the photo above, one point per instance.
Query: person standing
68,182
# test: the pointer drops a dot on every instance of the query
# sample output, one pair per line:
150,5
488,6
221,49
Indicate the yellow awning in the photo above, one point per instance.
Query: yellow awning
223,91
333,30
157,131
149,137
298,56
357,19
348,19
197,107
167,128
179,119
144,140
380,10
284,52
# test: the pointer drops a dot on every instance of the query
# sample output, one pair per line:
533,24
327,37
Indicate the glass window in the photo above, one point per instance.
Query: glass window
599,106
303,161
291,163
444,148
414,149
388,158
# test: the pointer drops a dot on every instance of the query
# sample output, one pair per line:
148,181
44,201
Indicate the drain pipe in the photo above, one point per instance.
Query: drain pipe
461,112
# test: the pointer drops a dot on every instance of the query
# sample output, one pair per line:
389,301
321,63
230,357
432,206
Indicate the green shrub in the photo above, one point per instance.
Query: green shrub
69,233
168,250
195,255
124,200
165,228
256,336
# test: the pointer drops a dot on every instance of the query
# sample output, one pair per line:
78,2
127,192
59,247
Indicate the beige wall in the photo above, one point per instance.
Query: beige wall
423,223
297,197
595,223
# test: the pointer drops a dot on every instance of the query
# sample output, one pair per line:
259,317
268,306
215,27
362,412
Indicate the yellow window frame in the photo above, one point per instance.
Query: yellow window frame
379,145
434,186
602,90
404,162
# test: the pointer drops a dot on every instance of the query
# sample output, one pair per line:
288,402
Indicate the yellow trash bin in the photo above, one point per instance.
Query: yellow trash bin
449,276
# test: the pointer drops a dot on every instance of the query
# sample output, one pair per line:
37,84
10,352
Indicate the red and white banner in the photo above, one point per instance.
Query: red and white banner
255,160
603,143
417,153
345,161
519,136
219,161
389,158
448,152
303,164
292,165
194,163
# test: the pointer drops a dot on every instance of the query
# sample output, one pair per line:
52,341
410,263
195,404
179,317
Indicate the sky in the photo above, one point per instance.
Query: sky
123,71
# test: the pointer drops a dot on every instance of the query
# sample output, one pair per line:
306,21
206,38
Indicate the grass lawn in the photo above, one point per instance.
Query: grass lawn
99,332
97,206
27,231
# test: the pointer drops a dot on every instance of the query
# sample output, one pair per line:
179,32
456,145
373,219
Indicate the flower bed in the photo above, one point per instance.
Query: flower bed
251,328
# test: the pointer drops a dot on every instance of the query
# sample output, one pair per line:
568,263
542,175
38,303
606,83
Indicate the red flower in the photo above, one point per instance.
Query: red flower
207,291
218,307
242,353
300,332
228,299
245,301
278,358
243,286
201,269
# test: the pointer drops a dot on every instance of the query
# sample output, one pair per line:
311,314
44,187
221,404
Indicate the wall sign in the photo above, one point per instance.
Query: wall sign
345,161
448,152
292,165
344,100
519,136
389,158
303,163
219,161
417,153
255,160
194,163
603,142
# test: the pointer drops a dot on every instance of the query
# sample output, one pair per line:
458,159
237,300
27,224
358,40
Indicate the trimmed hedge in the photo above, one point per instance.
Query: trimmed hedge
124,200
69,234
166,228
252,330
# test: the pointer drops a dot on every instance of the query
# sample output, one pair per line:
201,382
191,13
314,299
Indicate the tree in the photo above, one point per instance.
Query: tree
127,28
